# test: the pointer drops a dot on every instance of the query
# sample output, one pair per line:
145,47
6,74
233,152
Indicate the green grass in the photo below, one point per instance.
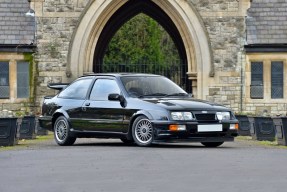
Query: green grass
260,143
38,139
25,143
6,148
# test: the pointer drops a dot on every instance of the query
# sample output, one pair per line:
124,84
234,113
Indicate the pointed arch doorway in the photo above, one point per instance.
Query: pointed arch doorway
102,18
176,72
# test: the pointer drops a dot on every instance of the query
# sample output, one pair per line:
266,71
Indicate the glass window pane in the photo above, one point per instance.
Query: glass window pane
257,85
77,90
23,87
277,80
102,89
257,73
4,80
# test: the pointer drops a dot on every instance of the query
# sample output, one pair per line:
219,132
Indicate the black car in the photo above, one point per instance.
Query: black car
140,108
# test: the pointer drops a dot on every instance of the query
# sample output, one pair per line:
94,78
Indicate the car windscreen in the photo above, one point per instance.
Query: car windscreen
153,86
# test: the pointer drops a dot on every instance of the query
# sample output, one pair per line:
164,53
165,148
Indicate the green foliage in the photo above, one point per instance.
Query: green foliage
141,44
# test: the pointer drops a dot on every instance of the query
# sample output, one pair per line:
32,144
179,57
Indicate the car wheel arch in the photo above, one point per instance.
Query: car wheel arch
133,118
143,131
56,115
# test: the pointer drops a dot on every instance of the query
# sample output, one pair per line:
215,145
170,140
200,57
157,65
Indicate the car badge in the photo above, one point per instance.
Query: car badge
204,111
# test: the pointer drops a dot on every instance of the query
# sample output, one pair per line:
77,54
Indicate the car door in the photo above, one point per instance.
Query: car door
71,100
100,113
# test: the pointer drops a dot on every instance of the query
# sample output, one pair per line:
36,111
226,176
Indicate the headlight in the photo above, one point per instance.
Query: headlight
223,116
181,116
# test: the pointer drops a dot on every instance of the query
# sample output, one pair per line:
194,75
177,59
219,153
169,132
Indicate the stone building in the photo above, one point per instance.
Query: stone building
222,43
266,47
17,44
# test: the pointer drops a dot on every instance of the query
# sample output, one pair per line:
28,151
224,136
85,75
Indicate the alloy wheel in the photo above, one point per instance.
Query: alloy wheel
61,130
144,131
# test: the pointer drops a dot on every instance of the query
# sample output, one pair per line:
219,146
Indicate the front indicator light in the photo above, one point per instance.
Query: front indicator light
177,128
234,126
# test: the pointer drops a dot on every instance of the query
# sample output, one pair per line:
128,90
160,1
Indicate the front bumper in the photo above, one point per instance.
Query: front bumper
192,133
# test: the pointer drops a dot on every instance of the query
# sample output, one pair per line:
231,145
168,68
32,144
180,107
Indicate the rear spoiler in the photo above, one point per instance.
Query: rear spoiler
58,86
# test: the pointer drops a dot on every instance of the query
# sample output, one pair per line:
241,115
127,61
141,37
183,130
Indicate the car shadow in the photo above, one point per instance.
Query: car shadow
155,145
186,145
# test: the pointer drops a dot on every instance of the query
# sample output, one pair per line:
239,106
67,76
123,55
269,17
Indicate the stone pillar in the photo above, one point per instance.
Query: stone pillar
193,77
13,79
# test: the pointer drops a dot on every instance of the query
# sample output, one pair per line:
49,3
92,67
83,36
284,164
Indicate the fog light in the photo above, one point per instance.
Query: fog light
234,126
177,128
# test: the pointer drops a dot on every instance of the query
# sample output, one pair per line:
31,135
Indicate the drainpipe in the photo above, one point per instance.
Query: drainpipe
241,70
241,84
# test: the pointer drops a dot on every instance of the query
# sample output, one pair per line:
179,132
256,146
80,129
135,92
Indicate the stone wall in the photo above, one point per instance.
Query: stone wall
224,22
216,5
227,41
56,22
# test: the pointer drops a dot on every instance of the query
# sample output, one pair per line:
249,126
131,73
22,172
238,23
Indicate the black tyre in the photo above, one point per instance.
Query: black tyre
212,144
142,131
62,132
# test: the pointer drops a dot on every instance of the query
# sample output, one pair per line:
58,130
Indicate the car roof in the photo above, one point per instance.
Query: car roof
121,74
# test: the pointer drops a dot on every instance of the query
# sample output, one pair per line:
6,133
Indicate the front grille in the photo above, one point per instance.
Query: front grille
205,117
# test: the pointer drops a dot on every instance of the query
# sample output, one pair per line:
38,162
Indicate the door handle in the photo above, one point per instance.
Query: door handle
87,104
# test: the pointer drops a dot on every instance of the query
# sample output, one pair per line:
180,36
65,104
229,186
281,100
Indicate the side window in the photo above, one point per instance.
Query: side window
77,90
4,80
277,80
23,80
257,86
102,88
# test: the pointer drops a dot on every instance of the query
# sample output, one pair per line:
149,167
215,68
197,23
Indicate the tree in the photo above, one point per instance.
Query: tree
141,45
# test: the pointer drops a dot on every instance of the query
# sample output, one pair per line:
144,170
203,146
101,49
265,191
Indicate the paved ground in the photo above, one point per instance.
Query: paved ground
108,165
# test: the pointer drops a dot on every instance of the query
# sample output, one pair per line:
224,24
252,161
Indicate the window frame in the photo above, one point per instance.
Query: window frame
78,98
29,79
13,59
271,79
266,58
255,86
9,81
103,78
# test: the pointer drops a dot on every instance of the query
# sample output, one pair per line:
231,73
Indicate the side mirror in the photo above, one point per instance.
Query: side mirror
117,97
114,97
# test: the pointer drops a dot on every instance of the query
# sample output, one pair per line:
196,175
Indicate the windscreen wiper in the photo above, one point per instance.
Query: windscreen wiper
154,94
177,94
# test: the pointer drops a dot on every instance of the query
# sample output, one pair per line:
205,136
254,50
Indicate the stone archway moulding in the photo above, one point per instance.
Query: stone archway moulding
182,13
